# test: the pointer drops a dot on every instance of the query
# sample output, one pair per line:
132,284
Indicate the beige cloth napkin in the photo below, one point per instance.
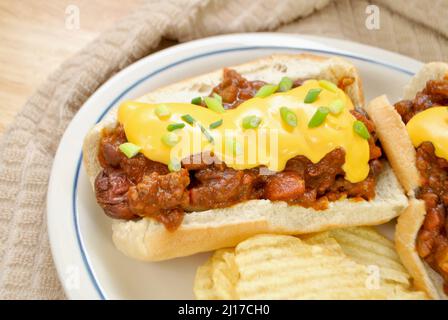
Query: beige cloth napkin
415,28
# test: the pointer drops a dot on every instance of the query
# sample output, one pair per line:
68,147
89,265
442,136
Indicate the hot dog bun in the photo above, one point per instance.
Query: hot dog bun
147,239
401,154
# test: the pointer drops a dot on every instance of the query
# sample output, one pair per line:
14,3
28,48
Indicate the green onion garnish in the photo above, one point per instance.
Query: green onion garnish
285,84
214,104
215,124
170,139
175,126
251,122
218,97
330,86
266,90
312,95
360,128
162,111
197,101
318,117
288,116
129,149
191,121
336,106
188,119
174,165
206,133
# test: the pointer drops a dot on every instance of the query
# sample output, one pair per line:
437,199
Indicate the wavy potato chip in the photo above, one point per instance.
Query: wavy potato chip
352,263
216,279
224,274
284,267
203,283
368,247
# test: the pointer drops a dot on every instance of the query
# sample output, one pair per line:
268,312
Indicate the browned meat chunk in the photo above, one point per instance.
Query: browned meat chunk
286,186
156,193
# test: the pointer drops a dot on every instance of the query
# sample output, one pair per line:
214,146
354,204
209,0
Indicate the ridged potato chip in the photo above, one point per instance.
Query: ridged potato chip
398,292
216,279
366,246
352,263
224,274
284,267
203,283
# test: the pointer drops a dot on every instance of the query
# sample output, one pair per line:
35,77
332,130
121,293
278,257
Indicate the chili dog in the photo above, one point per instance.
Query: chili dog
325,169
413,133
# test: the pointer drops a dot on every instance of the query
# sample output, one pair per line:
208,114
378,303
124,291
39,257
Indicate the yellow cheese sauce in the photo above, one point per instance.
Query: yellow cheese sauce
272,144
430,125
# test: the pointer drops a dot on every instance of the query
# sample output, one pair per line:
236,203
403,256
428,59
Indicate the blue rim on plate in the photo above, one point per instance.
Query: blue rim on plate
167,67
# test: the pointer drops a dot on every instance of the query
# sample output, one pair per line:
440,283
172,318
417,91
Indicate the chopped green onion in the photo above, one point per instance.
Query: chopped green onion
360,128
288,116
318,117
214,104
188,119
174,165
285,84
129,149
266,90
215,124
336,106
312,95
197,101
251,122
175,126
330,86
218,97
170,139
233,145
206,133
162,111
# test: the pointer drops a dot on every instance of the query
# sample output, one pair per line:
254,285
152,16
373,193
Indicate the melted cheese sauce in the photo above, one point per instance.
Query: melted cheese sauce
272,144
430,125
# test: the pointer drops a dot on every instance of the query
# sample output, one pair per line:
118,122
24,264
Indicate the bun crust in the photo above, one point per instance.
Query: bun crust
395,141
406,232
148,240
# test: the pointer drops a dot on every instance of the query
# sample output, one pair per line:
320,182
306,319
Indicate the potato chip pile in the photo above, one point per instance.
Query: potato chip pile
352,263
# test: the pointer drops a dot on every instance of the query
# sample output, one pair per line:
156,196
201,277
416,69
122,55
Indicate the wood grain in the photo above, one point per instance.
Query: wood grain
35,39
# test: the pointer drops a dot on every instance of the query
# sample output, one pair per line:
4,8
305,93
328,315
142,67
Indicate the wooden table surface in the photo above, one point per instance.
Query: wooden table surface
37,35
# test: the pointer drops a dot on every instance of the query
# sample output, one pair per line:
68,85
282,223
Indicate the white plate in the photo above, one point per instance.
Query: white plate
88,264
